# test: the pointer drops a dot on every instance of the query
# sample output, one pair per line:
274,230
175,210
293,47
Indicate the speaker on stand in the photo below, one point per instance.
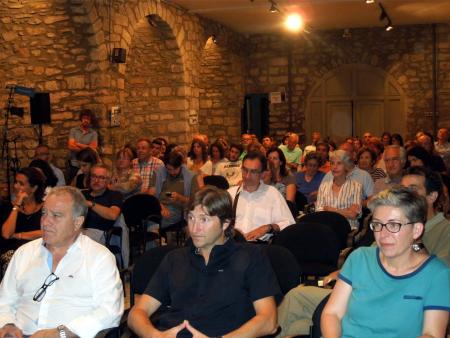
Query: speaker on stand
40,111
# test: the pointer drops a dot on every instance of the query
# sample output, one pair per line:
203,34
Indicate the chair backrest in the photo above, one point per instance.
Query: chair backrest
315,246
144,268
338,223
217,181
138,207
300,201
293,208
285,267
316,332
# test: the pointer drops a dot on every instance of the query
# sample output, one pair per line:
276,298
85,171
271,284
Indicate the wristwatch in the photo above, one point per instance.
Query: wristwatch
62,331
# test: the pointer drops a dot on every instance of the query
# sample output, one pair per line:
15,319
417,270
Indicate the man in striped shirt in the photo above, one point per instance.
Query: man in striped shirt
145,165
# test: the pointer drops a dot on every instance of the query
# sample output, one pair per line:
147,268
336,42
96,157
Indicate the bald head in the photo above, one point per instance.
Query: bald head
292,141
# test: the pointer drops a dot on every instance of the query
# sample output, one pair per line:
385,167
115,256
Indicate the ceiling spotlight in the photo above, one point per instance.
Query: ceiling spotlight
273,7
370,1
384,16
294,22
389,26
347,34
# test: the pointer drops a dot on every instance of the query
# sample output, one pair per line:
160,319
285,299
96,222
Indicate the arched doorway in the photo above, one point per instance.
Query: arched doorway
353,99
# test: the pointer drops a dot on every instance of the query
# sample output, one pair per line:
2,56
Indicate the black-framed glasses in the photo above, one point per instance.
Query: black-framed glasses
40,293
390,226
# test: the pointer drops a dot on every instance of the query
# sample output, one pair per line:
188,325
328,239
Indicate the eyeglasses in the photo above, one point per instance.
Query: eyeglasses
40,293
390,226
246,171
100,178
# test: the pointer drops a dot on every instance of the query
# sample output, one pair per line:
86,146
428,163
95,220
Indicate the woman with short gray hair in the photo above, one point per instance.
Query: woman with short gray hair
393,289
341,194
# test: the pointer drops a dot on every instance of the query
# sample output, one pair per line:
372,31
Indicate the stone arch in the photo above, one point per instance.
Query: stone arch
354,98
110,79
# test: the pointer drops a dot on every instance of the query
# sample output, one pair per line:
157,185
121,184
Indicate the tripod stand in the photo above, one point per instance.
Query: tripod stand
12,163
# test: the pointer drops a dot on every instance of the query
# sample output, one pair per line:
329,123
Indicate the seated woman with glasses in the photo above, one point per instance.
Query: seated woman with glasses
395,289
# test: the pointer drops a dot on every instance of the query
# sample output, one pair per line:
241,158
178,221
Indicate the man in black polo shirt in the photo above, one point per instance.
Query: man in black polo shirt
104,204
215,286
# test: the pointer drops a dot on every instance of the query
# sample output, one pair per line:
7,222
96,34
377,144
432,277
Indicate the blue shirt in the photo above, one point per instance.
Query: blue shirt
387,306
308,187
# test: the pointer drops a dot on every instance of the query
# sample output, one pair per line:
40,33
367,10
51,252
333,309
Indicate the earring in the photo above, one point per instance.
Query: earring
416,246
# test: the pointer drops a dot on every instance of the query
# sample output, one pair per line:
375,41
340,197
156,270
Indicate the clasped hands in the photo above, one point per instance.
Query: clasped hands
171,333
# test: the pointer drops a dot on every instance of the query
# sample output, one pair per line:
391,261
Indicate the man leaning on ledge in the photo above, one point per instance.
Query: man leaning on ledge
64,284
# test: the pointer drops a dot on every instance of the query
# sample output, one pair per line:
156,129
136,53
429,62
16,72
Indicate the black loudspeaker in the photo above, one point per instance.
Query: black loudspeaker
119,55
40,108
255,115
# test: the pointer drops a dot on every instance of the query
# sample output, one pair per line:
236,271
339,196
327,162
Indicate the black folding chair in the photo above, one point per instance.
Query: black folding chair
138,210
115,249
338,223
144,268
285,267
300,201
217,181
315,246
178,229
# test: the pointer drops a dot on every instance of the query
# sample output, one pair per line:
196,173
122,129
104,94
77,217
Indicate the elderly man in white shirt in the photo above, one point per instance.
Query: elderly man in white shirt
260,210
63,284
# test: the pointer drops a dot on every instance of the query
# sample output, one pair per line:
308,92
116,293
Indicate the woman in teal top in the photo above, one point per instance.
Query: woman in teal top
395,289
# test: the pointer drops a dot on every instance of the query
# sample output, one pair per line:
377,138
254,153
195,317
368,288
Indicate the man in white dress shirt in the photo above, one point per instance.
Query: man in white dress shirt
64,284
260,209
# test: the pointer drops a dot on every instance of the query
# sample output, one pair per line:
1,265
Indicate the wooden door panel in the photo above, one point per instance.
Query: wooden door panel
339,120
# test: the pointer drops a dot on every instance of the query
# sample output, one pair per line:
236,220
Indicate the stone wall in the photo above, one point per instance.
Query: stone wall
404,53
63,47
222,86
